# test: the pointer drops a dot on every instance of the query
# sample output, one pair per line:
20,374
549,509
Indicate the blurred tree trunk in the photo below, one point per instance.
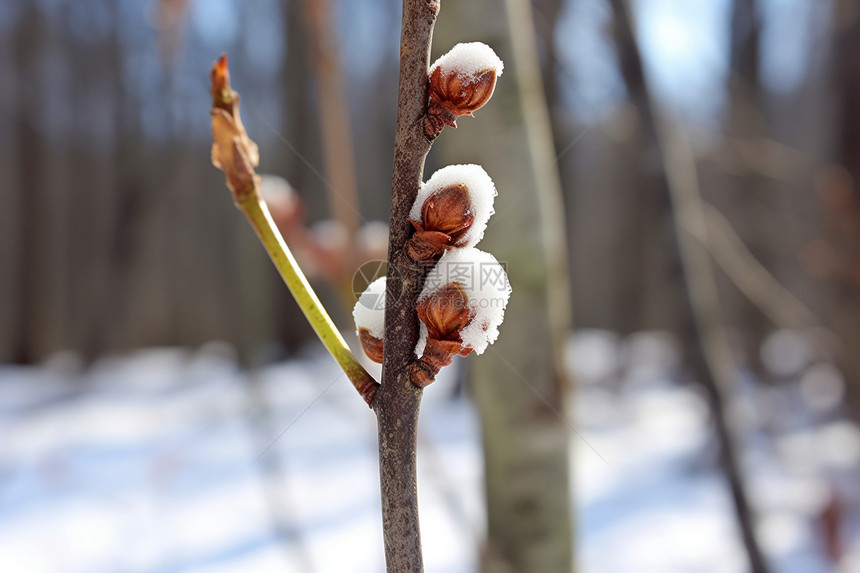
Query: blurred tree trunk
647,273
30,189
519,385
127,184
9,198
844,300
746,129
546,15
705,345
298,126
335,131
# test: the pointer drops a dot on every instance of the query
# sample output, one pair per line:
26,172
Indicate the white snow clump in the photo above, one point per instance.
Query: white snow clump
469,60
485,283
369,311
481,195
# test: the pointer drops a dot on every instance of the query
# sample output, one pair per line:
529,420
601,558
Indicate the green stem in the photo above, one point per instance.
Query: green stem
258,214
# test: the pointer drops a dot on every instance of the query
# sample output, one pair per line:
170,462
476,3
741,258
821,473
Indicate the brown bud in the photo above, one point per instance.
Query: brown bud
449,211
437,353
233,151
222,93
425,246
454,94
444,313
234,154
446,216
371,345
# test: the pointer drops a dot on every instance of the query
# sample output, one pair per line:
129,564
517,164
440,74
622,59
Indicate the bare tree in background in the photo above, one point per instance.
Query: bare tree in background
31,148
841,198
745,129
519,384
703,336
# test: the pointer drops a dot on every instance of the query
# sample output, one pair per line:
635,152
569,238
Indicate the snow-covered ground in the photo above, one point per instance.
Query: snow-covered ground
171,460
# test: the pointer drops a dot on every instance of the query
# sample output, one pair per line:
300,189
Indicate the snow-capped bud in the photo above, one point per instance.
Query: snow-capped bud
461,308
445,217
451,210
461,82
442,314
233,152
445,312
369,316
448,211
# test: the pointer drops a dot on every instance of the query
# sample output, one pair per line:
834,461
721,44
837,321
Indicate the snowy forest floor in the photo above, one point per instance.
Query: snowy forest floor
170,460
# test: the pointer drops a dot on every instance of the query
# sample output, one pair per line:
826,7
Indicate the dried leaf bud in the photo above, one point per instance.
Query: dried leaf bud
233,151
219,78
369,316
451,210
461,82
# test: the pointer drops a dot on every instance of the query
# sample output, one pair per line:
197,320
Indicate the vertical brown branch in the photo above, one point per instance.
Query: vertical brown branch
398,400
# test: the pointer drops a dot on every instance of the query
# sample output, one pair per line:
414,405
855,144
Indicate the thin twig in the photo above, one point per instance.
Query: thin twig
719,372
398,400
751,277
258,215
236,154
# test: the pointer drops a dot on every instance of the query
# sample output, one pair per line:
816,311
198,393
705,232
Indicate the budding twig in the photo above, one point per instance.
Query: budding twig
461,82
234,153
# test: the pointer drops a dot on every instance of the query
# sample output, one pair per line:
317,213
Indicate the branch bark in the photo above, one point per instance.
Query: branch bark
398,401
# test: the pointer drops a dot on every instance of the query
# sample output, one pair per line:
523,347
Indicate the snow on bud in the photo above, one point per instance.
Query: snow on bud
461,82
233,152
461,308
451,210
369,316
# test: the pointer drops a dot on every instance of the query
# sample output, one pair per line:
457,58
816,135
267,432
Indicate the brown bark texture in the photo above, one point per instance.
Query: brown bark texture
398,401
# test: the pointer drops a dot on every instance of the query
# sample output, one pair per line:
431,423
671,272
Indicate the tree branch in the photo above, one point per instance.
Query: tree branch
237,156
398,400
748,274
